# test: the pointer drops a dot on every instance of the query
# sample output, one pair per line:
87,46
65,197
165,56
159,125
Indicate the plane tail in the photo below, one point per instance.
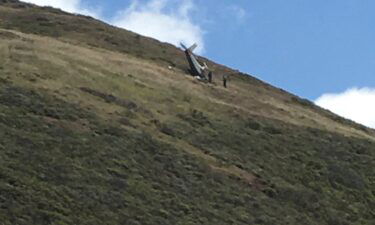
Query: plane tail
191,48
183,46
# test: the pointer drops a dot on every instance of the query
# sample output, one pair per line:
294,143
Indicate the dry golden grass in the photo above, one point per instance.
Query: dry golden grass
132,78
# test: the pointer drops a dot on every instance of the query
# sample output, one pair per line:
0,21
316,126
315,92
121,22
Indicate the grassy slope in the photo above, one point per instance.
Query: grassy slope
95,136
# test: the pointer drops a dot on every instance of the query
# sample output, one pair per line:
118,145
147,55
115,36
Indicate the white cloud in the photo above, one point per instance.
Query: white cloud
239,13
72,6
162,20
357,104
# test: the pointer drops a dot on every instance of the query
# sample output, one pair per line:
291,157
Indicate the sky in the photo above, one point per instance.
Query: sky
320,50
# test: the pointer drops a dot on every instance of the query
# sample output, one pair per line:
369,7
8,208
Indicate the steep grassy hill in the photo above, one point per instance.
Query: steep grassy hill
95,129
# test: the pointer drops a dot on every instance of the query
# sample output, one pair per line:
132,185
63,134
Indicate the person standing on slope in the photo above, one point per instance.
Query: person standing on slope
225,78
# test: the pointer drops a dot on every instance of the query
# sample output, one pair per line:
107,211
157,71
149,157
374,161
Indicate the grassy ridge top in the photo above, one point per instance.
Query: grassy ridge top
91,134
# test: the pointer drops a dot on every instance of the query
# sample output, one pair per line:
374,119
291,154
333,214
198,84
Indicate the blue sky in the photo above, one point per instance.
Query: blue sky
321,50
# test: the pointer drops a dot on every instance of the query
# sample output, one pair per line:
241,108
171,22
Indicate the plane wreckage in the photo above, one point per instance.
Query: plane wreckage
196,69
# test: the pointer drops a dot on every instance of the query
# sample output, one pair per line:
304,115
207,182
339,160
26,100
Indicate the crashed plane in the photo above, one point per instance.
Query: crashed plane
195,68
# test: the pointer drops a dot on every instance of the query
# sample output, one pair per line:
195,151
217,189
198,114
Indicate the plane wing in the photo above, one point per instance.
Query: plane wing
183,46
191,48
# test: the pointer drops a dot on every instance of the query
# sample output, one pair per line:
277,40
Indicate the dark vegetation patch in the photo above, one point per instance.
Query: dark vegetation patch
287,155
253,124
272,130
340,175
15,4
125,121
54,175
167,130
195,118
8,35
36,102
109,98
302,101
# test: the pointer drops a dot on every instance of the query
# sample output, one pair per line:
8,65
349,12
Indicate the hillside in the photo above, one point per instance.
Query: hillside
95,129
